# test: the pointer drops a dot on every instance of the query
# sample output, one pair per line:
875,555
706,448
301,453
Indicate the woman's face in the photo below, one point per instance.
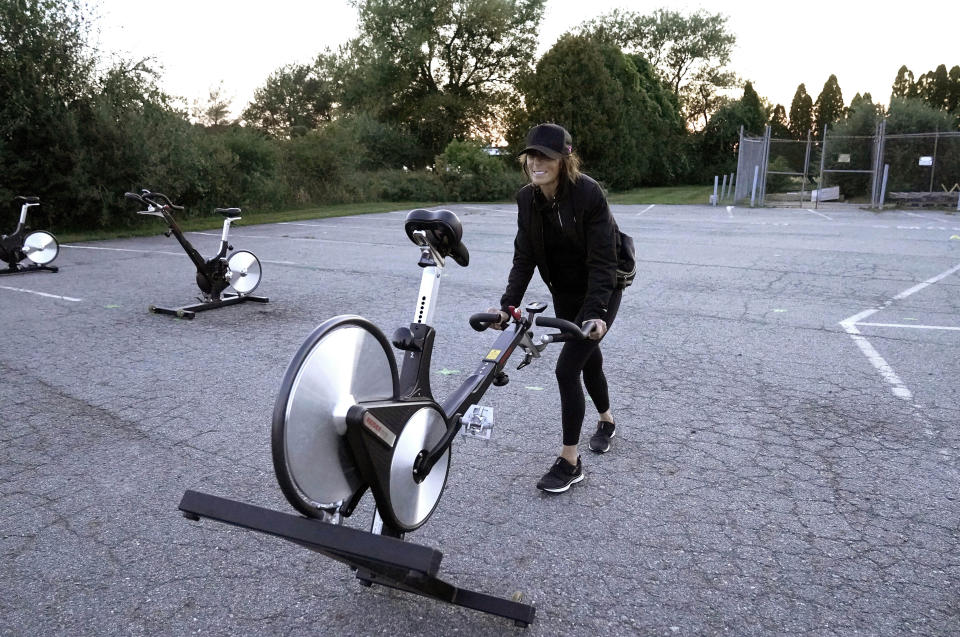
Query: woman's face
543,170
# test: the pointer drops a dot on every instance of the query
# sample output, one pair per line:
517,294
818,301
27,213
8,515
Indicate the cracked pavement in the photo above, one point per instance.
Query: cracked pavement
763,479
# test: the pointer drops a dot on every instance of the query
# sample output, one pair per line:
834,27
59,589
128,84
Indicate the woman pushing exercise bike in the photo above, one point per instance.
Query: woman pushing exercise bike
565,230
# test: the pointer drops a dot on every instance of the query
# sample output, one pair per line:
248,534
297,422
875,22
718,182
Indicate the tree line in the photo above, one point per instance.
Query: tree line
407,110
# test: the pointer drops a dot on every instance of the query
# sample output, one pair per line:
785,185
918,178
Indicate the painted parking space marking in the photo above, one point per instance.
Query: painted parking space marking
68,245
44,294
164,252
850,324
645,209
816,212
911,326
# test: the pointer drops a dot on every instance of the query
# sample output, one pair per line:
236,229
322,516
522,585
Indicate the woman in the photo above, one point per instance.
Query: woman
565,231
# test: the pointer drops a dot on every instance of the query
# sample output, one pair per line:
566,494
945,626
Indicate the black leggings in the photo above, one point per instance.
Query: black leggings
578,357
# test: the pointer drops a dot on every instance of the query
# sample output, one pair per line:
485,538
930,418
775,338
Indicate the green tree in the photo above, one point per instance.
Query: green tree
953,94
689,51
619,118
439,70
294,99
801,113
904,84
934,87
778,123
829,105
216,111
44,74
752,114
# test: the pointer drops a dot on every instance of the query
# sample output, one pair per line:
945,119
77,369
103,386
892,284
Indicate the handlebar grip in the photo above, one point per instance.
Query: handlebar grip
568,331
483,320
133,195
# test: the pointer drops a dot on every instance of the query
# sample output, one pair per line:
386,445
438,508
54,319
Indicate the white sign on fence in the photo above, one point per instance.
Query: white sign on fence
843,158
827,194
926,161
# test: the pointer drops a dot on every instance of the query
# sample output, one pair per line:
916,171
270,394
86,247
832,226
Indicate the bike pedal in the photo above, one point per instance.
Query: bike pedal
477,422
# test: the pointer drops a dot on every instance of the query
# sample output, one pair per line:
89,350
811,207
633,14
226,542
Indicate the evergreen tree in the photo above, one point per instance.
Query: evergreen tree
619,115
801,113
904,84
778,123
752,113
828,108
934,87
953,94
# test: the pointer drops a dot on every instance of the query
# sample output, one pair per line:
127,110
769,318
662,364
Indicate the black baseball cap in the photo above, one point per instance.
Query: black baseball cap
550,139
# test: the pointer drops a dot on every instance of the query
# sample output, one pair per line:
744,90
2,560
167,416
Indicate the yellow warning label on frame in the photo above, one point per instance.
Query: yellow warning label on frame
492,356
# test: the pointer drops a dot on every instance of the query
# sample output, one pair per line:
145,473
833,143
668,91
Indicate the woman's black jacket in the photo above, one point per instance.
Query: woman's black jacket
582,206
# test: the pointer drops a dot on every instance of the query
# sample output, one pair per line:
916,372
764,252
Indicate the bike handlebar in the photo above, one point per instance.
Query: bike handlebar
483,320
568,331
157,199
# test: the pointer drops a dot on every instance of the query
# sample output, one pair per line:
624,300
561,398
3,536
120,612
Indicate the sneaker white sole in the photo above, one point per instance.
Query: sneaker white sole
607,448
563,488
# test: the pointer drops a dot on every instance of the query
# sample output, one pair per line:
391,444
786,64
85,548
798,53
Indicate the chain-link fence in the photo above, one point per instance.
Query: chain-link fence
922,169
904,170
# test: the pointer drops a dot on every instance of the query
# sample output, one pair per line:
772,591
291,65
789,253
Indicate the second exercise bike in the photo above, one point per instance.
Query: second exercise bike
26,250
240,271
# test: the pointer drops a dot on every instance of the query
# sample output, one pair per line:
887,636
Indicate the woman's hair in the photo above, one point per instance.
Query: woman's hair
569,166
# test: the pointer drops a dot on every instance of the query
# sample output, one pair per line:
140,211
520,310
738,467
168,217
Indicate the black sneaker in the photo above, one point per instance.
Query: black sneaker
561,475
600,441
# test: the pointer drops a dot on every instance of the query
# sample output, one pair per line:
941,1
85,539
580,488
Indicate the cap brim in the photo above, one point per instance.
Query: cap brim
549,152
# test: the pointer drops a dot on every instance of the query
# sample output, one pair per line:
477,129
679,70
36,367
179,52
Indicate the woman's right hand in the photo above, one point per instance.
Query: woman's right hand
504,318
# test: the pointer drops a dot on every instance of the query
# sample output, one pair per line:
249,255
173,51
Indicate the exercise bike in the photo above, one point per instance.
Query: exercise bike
37,246
346,420
240,271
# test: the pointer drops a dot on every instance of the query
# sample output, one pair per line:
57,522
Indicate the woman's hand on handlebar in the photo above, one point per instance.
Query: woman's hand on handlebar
598,327
504,318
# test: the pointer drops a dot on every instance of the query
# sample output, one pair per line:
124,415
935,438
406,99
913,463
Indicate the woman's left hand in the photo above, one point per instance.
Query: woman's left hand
598,328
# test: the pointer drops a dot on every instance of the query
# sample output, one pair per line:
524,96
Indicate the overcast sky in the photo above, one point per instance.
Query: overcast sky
201,43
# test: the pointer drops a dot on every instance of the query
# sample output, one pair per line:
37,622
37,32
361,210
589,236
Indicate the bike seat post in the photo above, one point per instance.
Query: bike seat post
432,264
226,228
23,211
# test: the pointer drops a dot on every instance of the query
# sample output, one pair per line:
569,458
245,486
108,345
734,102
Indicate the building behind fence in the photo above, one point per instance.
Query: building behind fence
916,169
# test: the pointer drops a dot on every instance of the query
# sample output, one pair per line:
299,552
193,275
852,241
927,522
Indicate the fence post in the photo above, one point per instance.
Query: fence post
958,204
713,197
731,192
823,159
723,189
883,185
753,191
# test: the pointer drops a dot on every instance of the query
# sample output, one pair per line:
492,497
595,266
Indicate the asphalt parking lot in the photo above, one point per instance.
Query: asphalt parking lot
785,383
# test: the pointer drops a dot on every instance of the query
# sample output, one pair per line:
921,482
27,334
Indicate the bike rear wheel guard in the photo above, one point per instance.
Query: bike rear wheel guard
244,271
41,247
344,361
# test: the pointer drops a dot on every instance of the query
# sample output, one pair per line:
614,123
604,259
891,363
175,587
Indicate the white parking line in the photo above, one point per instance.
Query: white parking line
173,254
51,296
730,210
850,327
68,245
915,327
819,213
645,209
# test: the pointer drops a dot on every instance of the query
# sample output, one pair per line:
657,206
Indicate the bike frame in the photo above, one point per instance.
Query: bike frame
12,242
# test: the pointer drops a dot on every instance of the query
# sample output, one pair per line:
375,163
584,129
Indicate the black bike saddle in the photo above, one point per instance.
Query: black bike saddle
28,199
443,231
228,212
